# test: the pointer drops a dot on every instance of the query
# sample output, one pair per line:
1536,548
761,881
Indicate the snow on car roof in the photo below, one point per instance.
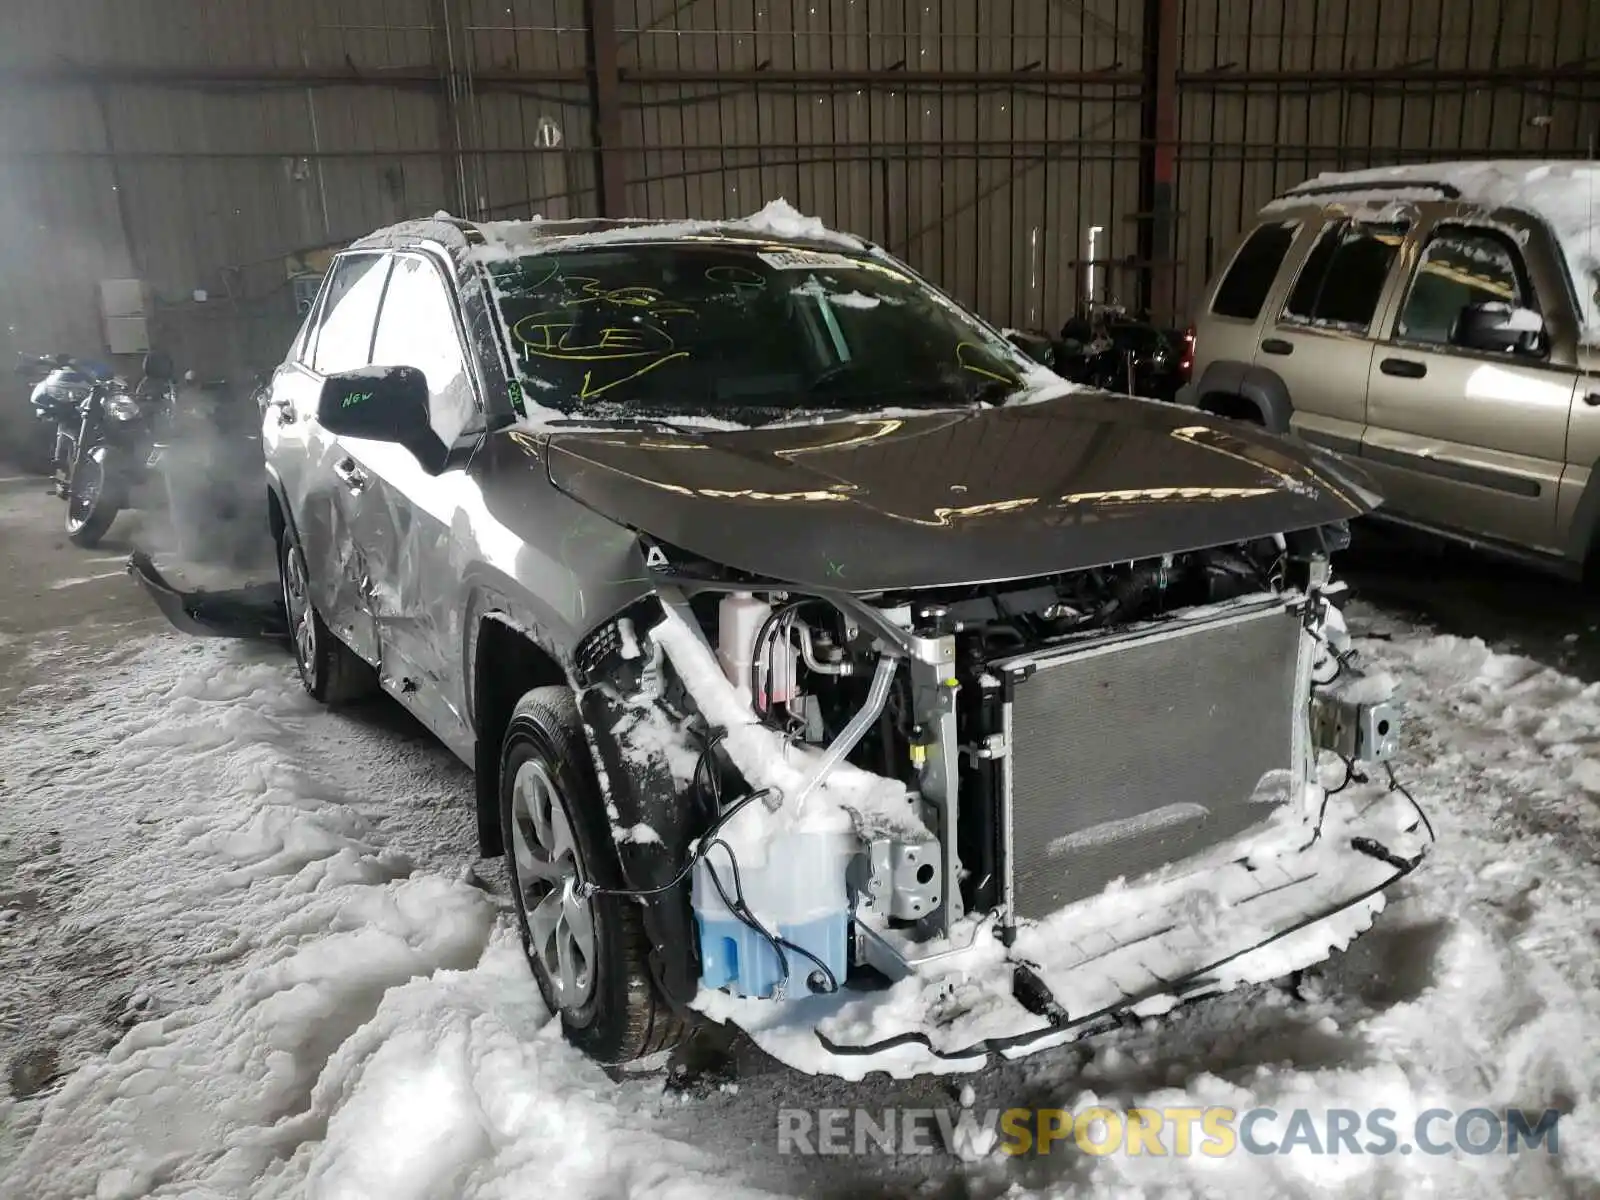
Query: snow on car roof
492,241
778,220
1563,194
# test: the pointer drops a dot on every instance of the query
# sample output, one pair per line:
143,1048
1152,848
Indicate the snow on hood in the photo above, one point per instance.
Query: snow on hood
1565,195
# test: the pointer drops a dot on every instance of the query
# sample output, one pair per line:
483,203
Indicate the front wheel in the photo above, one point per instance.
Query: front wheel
589,953
331,671
91,501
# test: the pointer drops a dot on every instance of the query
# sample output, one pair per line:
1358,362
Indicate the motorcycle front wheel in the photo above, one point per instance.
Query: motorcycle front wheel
91,504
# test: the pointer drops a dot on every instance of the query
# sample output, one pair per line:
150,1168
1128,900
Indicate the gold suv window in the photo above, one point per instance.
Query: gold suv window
1460,267
1344,274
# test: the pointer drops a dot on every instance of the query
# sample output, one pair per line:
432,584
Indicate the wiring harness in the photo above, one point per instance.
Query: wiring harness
1345,663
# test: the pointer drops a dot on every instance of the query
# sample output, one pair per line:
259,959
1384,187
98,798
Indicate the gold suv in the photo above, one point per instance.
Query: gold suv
1441,324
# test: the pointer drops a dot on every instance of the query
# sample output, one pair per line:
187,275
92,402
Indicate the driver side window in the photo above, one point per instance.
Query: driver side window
1460,266
417,328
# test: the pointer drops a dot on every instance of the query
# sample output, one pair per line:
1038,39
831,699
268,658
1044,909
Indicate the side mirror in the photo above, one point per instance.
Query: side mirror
1499,328
383,404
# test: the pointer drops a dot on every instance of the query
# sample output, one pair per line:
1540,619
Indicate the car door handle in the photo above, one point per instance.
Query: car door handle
1277,346
1405,368
350,474
1592,399
285,411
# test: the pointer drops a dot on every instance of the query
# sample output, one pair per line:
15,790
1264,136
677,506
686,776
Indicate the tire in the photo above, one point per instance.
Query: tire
608,1003
331,671
91,505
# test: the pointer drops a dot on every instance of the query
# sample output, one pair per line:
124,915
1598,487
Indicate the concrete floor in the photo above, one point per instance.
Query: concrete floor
56,596
1469,594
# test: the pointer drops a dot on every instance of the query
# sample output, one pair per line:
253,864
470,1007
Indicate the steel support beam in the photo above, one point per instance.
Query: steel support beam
1158,159
605,94
427,76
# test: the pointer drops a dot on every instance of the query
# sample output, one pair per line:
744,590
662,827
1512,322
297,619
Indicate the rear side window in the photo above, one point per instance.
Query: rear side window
344,339
1344,274
1244,288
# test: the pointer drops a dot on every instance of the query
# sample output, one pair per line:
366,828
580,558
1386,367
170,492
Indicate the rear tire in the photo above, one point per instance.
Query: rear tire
589,955
331,671
91,507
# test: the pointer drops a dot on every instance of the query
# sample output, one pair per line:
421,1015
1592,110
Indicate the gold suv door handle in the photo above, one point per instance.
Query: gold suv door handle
1592,399
1405,368
1277,346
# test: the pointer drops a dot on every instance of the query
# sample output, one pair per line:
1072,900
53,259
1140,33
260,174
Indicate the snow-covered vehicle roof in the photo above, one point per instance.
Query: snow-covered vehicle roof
1565,195
490,241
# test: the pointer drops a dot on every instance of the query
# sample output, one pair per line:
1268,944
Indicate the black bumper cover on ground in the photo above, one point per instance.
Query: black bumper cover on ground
255,611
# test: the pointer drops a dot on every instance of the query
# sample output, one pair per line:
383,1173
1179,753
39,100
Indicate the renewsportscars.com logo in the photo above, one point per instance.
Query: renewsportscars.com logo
1212,1132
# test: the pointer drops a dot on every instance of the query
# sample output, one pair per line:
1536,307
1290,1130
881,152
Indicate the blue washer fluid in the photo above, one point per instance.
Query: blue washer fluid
798,892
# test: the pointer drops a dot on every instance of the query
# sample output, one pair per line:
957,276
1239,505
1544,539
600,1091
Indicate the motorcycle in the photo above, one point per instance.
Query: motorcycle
112,452
1115,352
58,386
1124,354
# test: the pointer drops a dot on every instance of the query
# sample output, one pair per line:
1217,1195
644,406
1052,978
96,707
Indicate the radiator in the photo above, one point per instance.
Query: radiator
1129,754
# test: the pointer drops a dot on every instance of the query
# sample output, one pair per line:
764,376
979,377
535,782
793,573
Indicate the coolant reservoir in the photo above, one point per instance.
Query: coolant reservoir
797,891
740,617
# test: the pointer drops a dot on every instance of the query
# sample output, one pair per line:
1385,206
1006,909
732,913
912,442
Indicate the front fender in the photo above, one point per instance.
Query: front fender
644,733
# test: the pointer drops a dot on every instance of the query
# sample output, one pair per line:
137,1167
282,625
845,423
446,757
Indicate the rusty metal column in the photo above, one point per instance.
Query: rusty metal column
606,101
1158,159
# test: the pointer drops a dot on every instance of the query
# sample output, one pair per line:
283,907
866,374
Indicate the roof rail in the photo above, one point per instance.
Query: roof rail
1448,190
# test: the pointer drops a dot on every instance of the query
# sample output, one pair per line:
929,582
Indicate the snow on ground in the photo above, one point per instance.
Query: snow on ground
327,1004
315,1013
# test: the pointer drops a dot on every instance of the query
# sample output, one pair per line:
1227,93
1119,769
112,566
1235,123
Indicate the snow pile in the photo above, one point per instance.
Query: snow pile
319,1017
1565,195
1479,986
322,1017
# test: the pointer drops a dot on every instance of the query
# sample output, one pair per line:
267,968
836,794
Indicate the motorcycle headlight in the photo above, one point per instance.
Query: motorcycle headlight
122,408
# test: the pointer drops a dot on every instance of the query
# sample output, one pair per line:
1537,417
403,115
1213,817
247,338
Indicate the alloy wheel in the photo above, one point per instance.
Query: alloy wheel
561,936
297,600
83,492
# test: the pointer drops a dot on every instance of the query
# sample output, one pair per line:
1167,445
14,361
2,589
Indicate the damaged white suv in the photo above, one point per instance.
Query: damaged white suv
827,667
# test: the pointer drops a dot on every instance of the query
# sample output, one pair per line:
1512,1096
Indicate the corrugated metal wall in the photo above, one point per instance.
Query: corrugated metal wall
1274,91
985,186
197,143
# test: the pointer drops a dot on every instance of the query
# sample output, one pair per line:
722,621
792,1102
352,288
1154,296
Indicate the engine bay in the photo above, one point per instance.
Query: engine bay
901,689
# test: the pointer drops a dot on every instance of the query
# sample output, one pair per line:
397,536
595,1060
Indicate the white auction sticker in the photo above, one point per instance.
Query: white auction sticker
807,260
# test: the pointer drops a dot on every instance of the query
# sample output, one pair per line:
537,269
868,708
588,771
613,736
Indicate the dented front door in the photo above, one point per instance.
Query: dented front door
315,467
405,515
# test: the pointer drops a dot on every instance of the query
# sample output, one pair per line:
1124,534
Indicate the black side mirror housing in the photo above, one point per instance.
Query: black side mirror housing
383,404
1499,328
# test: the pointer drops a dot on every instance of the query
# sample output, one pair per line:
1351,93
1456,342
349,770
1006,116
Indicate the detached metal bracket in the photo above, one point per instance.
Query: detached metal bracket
1355,731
